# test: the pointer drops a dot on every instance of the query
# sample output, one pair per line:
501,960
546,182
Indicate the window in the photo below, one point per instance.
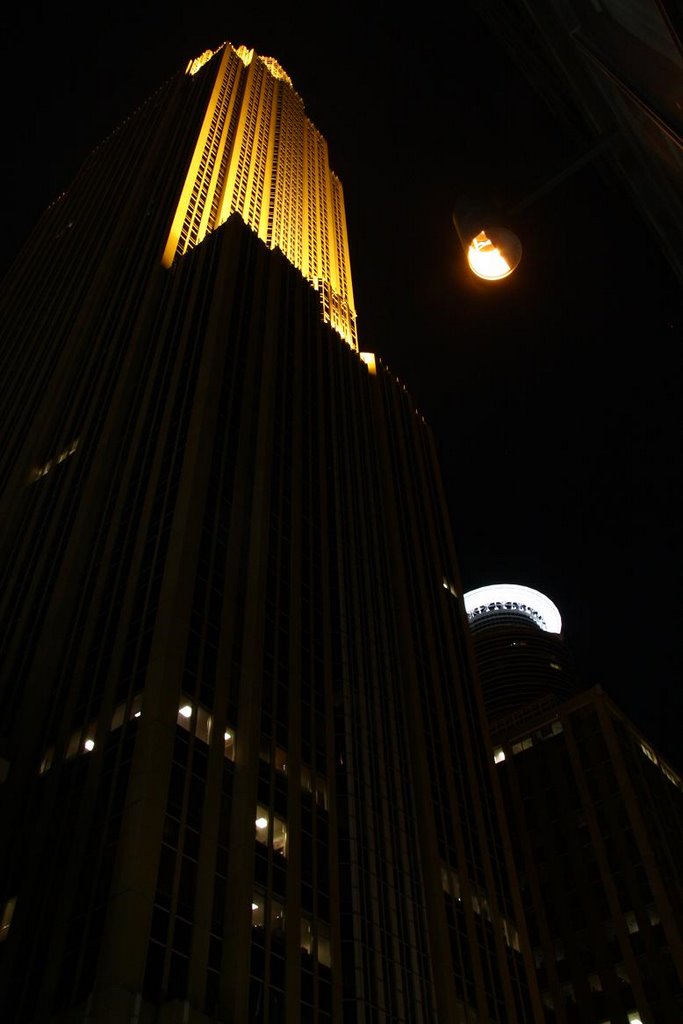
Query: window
306,935
271,830
631,922
257,910
198,718
184,717
229,744
6,918
119,716
324,948
81,742
498,755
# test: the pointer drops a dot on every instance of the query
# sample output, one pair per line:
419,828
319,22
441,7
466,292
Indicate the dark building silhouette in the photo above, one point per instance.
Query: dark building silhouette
595,816
245,767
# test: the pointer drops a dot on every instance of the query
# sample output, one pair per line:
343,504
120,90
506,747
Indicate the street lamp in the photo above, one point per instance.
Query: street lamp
493,251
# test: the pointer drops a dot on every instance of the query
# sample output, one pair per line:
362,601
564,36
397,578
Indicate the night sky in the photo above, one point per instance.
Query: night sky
554,396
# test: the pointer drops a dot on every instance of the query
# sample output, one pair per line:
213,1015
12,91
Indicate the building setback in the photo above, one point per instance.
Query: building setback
246,770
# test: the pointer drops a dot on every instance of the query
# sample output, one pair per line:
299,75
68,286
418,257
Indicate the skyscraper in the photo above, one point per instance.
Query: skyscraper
244,757
596,819
595,816
520,652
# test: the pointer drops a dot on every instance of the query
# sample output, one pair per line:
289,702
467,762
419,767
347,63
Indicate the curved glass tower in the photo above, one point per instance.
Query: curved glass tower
519,649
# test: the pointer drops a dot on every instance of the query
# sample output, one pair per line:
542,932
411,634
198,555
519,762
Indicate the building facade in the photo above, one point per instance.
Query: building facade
596,820
595,816
245,766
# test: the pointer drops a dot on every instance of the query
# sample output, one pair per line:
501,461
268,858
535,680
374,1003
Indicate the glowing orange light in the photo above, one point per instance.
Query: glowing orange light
494,258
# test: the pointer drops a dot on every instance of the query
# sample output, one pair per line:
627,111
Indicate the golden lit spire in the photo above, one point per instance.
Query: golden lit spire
258,155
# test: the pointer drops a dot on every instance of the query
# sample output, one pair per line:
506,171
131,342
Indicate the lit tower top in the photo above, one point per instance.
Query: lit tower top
505,600
258,155
521,656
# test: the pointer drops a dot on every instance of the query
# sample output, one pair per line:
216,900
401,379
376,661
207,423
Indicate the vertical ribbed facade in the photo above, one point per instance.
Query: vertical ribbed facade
257,154
245,772
596,819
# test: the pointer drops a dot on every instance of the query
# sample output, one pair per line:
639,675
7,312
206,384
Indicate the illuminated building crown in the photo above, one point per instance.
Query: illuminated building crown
258,155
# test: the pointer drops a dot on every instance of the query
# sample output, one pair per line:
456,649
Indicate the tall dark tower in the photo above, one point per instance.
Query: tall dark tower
244,772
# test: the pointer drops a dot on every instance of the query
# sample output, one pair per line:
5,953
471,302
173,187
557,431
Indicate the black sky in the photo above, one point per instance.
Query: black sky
554,396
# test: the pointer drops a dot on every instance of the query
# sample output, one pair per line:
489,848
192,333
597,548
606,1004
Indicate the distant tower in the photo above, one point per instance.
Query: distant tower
520,653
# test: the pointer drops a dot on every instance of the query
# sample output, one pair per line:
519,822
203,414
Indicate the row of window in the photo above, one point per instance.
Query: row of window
663,767
82,741
450,883
544,733
39,471
196,719
315,935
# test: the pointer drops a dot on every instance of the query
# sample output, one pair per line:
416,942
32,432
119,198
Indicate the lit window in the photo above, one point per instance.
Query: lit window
281,760
6,918
511,935
498,755
306,935
634,1017
631,922
522,745
134,711
81,742
280,836
184,713
271,830
229,744
40,471
257,911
